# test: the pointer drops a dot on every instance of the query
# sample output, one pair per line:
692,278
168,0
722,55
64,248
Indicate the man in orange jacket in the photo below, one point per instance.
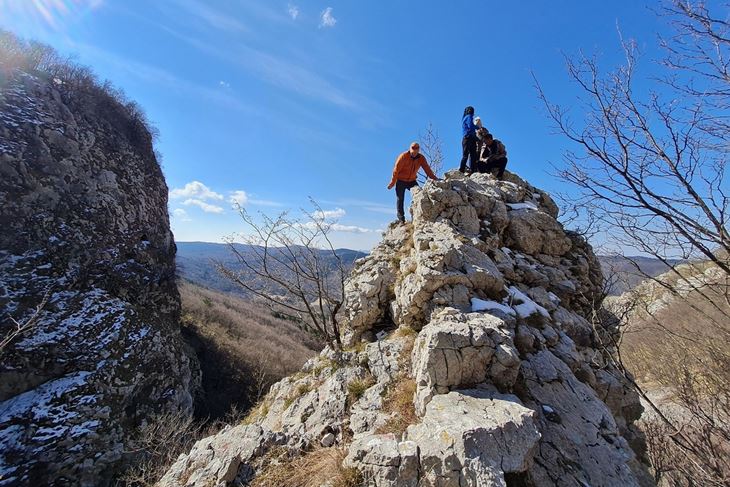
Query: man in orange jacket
405,174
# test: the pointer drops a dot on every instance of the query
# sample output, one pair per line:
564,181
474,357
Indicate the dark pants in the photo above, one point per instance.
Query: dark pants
499,164
469,149
400,193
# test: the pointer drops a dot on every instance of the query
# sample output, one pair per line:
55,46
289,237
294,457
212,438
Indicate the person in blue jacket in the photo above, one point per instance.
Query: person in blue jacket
469,142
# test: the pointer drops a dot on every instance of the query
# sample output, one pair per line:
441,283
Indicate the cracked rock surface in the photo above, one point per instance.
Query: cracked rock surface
489,354
83,223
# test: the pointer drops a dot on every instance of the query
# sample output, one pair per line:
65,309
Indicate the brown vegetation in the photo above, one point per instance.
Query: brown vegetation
398,402
156,445
242,349
322,466
680,353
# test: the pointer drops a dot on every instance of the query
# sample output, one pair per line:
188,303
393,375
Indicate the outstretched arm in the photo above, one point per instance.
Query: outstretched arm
427,168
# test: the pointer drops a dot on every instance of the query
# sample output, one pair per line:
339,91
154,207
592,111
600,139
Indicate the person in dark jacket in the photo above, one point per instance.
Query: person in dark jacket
469,141
497,158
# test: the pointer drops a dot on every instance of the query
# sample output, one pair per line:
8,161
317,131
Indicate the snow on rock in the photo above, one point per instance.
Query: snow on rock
85,236
525,205
487,305
525,306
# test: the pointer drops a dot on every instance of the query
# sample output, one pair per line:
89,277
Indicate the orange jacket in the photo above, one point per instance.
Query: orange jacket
406,168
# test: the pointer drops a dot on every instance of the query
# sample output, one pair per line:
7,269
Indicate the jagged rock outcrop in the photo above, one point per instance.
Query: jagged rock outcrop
83,223
477,314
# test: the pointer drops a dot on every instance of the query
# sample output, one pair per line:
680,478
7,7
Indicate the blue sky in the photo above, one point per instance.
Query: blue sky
271,102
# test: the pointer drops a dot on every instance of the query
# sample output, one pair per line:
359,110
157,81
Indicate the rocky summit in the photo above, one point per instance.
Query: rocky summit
471,361
87,262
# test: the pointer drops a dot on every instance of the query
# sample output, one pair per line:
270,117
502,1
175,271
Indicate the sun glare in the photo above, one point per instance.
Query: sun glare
48,12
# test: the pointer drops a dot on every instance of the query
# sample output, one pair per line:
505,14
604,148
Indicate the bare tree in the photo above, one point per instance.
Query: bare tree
292,265
432,149
650,167
18,329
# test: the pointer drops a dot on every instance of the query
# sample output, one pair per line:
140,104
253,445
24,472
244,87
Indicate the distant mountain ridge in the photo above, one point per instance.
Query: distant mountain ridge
195,263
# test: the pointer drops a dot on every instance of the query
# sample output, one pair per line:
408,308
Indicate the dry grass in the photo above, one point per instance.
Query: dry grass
156,445
357,388
399,402
322,466
243,350
683,349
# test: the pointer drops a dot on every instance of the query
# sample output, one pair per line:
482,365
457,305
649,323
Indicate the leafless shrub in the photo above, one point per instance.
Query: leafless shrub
294,257
19,329
432,148
157,443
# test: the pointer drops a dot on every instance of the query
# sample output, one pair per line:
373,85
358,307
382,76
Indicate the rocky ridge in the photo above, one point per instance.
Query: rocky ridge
85,237
476,313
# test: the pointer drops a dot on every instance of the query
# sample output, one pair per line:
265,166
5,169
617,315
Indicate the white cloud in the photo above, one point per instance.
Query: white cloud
329,214
327,19
336,227
293,11
239,198
224,84
208,208
180,214
196,190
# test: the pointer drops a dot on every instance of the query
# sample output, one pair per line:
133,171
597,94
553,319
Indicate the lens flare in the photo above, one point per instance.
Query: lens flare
48,12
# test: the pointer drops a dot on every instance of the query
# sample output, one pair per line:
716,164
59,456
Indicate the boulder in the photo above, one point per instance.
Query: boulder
473,437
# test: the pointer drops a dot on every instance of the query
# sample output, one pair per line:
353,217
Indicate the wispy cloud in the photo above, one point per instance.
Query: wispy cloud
293,11
181,215
350,228
329,214
197,190
214,18
224,84
334,227
372,206
206,207
160,77
326,18
238,198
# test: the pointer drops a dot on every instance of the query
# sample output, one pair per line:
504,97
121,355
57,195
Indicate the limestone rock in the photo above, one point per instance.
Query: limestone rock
84,222
473,437
510,385
456,350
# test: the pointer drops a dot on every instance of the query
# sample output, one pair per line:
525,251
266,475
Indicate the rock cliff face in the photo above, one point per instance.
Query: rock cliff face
83,223
476,313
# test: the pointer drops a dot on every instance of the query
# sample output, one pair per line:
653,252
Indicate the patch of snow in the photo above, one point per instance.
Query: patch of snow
547,409
525,205
526,307
552,297
482,305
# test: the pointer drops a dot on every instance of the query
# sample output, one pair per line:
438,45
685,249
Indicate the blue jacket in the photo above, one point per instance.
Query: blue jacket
467,126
